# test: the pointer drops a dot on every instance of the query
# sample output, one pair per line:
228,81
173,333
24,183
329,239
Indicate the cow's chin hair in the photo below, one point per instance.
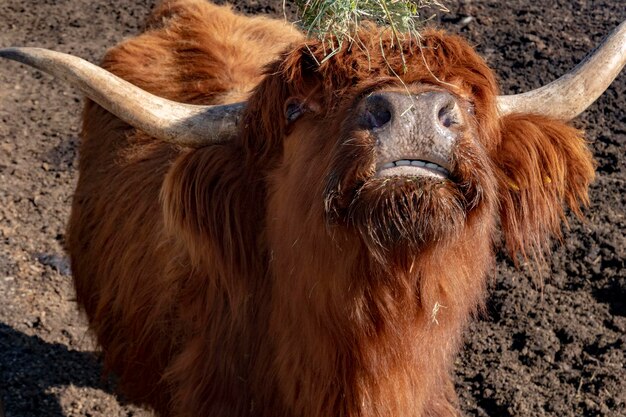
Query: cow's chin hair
406,211
398,217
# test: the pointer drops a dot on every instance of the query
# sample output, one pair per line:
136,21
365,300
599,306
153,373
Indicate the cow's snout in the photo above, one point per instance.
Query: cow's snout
414,133
439,108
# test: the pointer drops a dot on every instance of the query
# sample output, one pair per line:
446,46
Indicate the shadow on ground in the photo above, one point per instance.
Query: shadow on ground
32,367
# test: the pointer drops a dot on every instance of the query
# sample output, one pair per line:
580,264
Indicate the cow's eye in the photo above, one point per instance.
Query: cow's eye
293,110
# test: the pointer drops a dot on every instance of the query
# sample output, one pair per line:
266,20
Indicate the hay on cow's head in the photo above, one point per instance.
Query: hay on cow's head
336,21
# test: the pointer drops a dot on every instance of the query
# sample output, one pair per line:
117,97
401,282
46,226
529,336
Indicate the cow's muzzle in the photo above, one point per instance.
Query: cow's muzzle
414,133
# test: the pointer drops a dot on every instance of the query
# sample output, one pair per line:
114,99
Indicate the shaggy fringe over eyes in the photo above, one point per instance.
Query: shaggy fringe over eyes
373,55
543,166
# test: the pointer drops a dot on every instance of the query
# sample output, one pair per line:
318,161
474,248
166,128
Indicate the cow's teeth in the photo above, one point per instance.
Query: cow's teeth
416,163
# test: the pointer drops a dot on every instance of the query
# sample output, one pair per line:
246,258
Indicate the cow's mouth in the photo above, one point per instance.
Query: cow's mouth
401,200
409,180
413,168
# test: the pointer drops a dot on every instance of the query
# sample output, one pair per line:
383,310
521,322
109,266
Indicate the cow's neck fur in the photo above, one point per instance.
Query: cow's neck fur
356,338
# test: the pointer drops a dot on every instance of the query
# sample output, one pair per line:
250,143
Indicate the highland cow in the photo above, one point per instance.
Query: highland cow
317,250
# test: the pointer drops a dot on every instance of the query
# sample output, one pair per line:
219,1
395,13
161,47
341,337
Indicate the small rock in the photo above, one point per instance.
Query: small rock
57,262
466,21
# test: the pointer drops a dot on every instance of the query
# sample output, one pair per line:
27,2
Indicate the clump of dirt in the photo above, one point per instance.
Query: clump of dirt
551,347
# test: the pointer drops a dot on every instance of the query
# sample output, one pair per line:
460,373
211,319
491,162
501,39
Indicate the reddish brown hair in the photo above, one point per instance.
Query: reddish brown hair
226,280
543,165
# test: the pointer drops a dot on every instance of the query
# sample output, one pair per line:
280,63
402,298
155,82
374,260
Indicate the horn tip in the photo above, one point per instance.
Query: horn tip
13,53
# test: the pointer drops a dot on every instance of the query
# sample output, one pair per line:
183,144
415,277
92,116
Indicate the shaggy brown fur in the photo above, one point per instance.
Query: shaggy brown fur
273,275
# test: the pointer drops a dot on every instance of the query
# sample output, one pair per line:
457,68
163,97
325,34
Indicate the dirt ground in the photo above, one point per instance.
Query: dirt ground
551,349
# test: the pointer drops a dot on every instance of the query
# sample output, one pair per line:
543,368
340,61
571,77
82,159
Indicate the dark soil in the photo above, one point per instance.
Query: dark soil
551,347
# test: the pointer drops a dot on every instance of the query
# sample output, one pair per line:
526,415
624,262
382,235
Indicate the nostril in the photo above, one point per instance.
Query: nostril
448,114
377,118
376,112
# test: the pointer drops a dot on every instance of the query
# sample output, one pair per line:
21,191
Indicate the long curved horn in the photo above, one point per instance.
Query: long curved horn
178,123
568,96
